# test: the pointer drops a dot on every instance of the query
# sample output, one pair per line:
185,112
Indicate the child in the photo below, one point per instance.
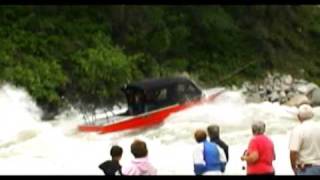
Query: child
112,167
140,165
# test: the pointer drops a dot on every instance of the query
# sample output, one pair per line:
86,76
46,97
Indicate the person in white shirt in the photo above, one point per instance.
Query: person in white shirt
304,144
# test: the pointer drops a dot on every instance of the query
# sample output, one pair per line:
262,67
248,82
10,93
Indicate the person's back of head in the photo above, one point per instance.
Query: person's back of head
200,135
213,131
258,127
305,112
139,149
116,152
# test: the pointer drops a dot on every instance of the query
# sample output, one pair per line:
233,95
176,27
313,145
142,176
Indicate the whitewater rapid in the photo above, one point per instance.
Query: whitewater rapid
29,146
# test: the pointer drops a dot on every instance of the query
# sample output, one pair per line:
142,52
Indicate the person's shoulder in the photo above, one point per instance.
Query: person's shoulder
269,140
107,163
303,127
104,162
258,139
128,169
197,146
254,139
263,138
211,144
312,122
223,143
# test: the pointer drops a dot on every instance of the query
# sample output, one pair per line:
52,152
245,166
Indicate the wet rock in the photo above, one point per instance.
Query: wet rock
287,79
281,88
315,97
253,98
298,100
274,97
282,94
306,88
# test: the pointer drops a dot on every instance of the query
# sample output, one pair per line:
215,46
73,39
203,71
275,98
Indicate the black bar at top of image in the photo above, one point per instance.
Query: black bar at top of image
157,2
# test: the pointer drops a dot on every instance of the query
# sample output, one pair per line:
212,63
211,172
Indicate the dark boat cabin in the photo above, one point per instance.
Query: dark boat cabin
153,94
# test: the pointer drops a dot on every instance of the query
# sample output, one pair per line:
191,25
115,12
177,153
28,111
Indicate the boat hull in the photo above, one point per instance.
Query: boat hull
146,119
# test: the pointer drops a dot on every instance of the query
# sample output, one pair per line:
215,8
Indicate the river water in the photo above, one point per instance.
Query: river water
31,147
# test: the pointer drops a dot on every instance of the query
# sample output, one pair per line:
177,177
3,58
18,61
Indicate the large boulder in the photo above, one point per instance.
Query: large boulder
298,100
306,88
314,96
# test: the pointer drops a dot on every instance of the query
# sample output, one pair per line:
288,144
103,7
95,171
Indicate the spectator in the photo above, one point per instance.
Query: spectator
304,144
260,153
140,165
214,135
208,157
112,167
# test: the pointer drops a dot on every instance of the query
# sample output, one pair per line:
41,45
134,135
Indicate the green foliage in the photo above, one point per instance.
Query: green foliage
105,65
42,78
71,54
144,66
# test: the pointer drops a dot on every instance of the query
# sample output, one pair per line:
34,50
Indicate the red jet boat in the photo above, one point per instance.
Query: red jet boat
150,102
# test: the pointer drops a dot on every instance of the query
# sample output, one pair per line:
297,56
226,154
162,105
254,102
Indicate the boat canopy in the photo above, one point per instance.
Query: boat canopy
152,94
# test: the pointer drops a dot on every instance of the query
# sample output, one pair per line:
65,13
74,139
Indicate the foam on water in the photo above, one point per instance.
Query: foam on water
29,146
19,115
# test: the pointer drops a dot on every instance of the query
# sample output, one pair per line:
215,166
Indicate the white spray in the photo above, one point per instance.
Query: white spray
29,146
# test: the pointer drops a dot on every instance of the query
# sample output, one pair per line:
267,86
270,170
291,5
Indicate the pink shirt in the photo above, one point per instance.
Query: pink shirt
139,166
264,146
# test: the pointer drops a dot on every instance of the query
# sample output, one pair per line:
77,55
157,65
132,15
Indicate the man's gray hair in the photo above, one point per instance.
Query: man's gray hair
258,127
305,112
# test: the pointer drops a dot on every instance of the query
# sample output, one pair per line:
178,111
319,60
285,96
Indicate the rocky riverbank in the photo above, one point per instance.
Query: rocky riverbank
284,89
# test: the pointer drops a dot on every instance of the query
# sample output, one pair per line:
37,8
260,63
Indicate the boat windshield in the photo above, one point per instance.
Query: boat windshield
140,101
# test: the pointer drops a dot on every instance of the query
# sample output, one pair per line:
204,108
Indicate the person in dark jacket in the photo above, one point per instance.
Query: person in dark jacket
214,135
112,167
